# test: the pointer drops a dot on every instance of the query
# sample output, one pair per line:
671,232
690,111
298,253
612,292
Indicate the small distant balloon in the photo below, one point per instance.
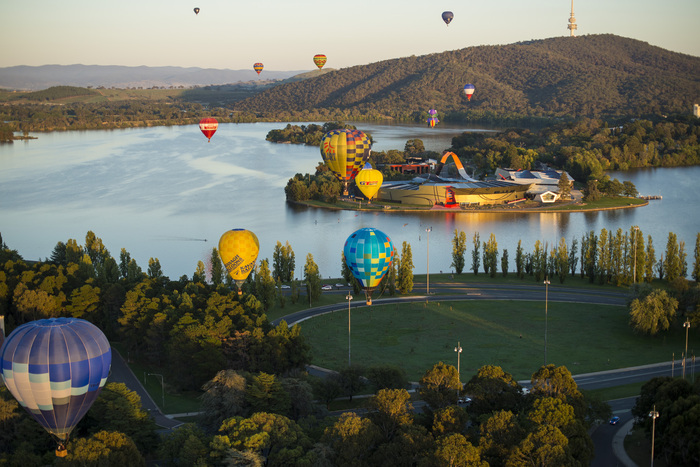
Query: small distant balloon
447,17
320,60
369,181
208,126
469,90
432,119
258,67
368,254
238,249
196,11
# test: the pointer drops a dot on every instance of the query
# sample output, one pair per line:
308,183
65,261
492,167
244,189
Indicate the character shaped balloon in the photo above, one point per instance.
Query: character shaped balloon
258,67
319,60
208,126
432,118
368,254
238,249
369,180
468,91
55,369
345,152
447,17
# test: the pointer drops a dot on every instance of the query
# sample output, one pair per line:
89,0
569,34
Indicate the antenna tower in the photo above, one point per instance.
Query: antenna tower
572,22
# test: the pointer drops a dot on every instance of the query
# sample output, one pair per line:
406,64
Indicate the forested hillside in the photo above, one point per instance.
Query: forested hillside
594,76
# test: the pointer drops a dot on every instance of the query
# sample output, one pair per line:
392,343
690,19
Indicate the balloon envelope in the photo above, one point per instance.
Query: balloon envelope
368,254
319,60
208,126
239,249
345,151
258,67
369,181
196,11
55,369
447,17
469,90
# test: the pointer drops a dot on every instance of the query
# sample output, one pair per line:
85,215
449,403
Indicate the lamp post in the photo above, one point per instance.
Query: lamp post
162,387
654,415
686,325
546,299
458,349
428,230
348,297
634,273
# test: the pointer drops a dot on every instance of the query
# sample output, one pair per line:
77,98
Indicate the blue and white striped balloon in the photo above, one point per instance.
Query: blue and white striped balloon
55,369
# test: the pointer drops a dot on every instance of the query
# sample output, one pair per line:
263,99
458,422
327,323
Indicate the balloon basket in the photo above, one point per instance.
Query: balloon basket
61,451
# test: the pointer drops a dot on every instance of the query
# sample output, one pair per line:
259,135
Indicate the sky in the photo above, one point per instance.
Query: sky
286,34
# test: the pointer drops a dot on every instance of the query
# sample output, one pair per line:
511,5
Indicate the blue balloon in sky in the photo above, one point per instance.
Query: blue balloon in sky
368,254
55,369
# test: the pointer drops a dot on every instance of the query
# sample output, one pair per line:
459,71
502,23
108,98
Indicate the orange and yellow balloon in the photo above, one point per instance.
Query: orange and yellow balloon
320,60
258,67
369,180
239,249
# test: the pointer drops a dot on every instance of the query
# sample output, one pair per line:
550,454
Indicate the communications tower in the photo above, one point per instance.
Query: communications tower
572,22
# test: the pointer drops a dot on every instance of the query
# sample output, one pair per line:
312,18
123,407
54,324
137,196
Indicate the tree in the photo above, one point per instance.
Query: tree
490,255
283,262
500,433
564,186
312,278
405,273
546,445
573,258
520,260
265,287
154,269
696,260
387,377
672,262
475,253
440,386
454,450
450,419
653,313
188,445
504,263
217,268
414,146
351,380
389,410
459,247
105,448
352,439
223,397
264,393
493,389
562,260
649,261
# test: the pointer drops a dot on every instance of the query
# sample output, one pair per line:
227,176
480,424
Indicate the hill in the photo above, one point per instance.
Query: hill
32,78
595,75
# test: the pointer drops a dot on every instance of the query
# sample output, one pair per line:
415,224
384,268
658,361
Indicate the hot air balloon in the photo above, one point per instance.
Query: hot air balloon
238,249
369,180
196,11
258,67
469,90
208,126
447,17
368,254
320,60
433,119
55,369
345,151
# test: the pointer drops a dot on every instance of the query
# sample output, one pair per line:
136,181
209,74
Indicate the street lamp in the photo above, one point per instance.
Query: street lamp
162,387
654,415
686,325
546,299
348,297
634,274
428,230
458,349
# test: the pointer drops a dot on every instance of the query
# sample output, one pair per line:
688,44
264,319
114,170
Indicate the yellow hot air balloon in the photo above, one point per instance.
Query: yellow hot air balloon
369,180
345,151
238,249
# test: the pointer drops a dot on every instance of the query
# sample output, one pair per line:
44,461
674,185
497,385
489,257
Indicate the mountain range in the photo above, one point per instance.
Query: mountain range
594,75
32,78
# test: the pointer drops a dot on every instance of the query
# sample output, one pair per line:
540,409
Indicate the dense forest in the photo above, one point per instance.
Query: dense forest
594,76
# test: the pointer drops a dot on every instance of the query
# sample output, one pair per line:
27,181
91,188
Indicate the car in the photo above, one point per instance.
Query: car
339,285
285,286
465,400
327,287
614,420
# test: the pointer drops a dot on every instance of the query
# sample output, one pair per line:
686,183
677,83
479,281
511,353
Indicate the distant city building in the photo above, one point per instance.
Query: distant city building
572,22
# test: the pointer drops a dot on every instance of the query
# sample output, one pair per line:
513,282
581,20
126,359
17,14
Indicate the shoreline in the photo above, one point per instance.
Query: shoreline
536,210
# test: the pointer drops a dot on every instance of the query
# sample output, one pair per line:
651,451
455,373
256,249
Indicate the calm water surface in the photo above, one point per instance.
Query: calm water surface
161,192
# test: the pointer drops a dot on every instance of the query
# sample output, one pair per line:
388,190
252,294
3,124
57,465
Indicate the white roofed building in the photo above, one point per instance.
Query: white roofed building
540,181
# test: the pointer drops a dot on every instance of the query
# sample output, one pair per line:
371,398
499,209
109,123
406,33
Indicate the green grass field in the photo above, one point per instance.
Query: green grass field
510,334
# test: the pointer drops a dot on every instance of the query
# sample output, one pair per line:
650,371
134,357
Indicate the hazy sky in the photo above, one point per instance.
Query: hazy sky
285,34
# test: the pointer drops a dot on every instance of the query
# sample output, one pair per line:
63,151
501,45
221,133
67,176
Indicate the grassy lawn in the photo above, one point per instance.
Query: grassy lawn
510,334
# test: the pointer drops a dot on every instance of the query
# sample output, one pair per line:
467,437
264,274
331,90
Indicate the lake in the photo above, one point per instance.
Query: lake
166,193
